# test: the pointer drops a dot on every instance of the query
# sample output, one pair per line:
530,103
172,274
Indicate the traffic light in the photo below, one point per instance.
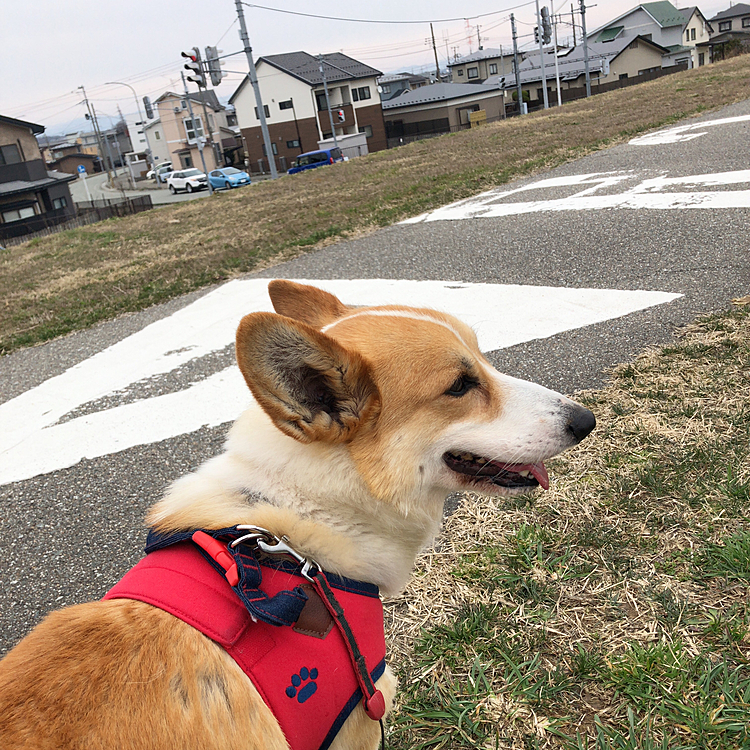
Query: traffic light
213,65
546,26
536,36
341,115
195,67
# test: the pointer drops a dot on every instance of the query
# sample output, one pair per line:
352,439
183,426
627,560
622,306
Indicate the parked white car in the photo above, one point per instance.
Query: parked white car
187,179
152,172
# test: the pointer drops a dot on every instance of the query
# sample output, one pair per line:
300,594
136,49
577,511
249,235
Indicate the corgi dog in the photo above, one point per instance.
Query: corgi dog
364,420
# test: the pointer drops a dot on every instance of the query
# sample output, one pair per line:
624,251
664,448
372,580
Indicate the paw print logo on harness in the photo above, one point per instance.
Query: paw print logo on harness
303,685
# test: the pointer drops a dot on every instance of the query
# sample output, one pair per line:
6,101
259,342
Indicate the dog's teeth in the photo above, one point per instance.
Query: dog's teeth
525,473
467,456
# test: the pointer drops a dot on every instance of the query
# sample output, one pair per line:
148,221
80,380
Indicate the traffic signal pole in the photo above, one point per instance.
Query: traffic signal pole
328,101
253,76
541,54
519,89
197,137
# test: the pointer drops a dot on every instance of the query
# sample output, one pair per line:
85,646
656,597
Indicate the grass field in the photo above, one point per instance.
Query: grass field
613,611
74,279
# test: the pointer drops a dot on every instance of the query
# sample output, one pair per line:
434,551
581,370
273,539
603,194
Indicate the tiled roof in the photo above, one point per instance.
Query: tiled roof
482,54
665,13
739,9
438,92
337,67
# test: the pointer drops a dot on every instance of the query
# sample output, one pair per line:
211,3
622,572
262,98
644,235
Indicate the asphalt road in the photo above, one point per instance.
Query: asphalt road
669,216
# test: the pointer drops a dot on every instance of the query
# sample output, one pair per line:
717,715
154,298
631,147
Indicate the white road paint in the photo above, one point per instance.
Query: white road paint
683,133
32,442
656,193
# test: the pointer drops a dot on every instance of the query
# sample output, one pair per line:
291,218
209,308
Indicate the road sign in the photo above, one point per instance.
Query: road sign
81,169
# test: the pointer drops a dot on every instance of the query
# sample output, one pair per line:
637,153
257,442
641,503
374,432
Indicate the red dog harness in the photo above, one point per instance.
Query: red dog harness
311,672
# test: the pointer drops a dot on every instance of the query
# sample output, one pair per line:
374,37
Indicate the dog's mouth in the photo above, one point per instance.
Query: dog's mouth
484,470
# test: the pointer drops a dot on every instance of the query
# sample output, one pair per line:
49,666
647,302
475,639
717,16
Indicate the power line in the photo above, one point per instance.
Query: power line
371,20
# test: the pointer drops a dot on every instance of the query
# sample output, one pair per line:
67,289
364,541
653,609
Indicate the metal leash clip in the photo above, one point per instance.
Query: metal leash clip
270,544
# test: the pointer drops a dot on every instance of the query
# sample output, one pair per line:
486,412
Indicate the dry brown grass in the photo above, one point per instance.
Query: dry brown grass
73,279
616,579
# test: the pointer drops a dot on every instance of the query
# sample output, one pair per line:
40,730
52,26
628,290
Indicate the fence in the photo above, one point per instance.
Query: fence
87,212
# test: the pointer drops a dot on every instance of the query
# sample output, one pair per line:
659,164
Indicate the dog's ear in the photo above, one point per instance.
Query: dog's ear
305,303
310,386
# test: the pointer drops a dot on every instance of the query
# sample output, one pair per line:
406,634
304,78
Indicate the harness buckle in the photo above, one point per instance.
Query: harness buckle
270,544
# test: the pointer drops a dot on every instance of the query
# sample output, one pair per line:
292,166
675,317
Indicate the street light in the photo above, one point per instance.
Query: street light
149,156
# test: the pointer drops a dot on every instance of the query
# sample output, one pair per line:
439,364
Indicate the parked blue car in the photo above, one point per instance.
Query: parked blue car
228,177
313,159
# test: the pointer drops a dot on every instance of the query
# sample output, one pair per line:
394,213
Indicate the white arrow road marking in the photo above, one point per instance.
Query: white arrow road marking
32,441
683,132
657,193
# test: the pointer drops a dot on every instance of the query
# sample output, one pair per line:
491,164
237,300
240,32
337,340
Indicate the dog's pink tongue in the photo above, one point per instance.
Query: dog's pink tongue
539,471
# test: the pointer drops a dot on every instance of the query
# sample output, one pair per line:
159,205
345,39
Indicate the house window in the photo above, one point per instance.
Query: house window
292,144
157,134
701,59
725,26
288,104
687,35
193,128
60,202
10,154
273,148
360,94
623,76
386,88
266,112
473,72
692,34
493,69
18,213
746,22
460,72
366,129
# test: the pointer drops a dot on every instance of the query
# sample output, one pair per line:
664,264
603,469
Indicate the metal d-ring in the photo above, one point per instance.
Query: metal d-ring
257,534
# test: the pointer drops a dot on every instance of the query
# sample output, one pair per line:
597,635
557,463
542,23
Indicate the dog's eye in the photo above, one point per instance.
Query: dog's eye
461,386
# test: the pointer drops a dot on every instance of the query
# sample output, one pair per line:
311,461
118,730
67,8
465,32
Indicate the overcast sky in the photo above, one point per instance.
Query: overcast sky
48,49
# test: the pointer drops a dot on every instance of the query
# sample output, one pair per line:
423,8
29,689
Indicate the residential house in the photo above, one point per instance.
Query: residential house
481,65
71,161
179,135
159,148
440,108
395,84
31,197
696,35
731,31
625,57
295,107
660,22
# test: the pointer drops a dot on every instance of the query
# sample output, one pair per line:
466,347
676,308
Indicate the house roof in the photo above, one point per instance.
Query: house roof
482,54
35,129
336,66
14,187
438,92
209,96
571,62
609,34
411,77
664,13
739,9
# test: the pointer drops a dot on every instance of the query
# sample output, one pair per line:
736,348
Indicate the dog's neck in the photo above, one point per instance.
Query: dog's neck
313,494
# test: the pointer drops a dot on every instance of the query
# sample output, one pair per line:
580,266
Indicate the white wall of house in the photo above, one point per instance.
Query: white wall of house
641,22
159,146
696,32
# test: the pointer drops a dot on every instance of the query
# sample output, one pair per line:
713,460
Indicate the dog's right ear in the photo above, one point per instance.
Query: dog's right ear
306,303
311,386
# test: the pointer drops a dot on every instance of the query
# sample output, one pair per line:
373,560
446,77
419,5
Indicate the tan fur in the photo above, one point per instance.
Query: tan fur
345,454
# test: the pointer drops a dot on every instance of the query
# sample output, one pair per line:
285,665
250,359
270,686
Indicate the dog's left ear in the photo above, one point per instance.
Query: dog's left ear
306,303
311,386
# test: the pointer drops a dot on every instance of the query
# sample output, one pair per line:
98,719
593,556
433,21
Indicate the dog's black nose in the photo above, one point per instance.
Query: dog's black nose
581,422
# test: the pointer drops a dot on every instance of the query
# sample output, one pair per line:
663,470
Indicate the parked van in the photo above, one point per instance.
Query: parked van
313,159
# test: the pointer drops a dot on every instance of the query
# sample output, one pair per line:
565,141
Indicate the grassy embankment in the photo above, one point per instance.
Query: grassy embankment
612,612
71,280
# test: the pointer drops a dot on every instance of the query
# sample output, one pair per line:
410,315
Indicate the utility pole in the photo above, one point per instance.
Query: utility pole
479,39
149,155
585,47
197,137
92,117
557,65
541,55
253,76
434,49
519,90
573,23
328,101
